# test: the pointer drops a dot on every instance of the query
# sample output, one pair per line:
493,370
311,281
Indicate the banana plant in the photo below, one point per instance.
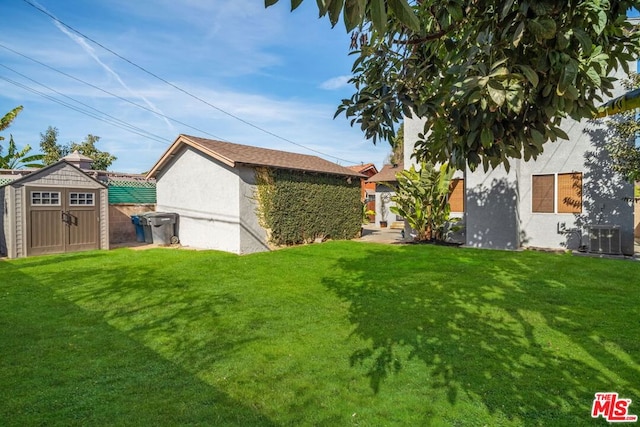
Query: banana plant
422,199
15,159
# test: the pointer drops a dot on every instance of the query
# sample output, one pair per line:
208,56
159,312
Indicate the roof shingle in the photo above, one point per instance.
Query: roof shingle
388,173
235,154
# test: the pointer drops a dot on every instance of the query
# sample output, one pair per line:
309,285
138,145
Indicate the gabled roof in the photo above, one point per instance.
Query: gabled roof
234,155
364,168
387,174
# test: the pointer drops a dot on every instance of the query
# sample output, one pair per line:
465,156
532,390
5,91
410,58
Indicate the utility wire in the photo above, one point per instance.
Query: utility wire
110,93
180,89
72,107
115,119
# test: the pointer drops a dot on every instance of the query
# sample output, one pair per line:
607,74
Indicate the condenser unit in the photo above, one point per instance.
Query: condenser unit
604,239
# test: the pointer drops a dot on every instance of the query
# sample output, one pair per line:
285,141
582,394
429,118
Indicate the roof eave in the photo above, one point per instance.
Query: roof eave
346,174
177,144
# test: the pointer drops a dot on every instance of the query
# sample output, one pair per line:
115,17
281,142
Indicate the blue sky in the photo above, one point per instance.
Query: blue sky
280,71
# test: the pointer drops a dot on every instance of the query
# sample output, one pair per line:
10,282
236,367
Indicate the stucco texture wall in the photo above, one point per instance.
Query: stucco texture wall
204,193
605,195
498,204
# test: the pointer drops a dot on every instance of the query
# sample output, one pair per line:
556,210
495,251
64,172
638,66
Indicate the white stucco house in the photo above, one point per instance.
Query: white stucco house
568,198
211,186
385,181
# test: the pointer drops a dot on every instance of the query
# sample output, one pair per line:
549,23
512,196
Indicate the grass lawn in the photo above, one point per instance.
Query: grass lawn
340,333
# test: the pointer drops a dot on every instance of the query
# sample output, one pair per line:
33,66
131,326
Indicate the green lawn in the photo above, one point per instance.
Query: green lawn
340,333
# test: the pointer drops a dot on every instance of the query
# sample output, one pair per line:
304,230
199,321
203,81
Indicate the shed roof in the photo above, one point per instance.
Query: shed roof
388,173
234,155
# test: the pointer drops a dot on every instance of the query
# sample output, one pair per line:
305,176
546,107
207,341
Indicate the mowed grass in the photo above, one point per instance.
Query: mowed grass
340,333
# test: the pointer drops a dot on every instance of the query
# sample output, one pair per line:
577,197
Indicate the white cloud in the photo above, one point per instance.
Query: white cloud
335,83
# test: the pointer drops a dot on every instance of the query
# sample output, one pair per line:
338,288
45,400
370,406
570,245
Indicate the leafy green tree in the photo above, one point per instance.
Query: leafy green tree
397,147
101,159
491,79
622,146
422,199
53,151
50,147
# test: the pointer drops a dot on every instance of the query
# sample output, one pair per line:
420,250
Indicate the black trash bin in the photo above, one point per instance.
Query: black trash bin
163,227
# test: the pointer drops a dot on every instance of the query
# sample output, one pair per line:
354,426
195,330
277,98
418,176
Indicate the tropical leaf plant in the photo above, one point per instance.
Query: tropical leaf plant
17,159
422,199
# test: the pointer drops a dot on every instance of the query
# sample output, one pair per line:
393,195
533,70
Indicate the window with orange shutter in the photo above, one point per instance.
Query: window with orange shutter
570,192
542,193
456,195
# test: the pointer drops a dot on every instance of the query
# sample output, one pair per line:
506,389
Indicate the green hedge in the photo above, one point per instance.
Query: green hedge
299,207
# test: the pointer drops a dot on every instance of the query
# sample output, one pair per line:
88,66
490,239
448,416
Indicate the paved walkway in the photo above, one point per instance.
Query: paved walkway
372,233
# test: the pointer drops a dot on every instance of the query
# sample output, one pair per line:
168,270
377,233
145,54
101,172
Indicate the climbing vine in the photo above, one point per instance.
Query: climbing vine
298,207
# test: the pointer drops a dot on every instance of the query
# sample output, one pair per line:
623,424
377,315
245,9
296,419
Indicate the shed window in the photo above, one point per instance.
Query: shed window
45,198
83,199
456,195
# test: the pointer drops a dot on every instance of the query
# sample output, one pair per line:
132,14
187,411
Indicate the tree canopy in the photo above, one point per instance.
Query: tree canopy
53,151
491,79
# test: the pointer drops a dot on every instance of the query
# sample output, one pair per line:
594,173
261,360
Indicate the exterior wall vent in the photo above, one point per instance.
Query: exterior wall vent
604,239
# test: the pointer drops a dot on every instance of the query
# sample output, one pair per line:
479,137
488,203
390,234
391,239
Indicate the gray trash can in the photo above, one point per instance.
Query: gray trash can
163,227
146,229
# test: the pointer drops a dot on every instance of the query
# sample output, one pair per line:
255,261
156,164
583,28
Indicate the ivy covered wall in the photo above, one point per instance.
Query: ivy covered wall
297,207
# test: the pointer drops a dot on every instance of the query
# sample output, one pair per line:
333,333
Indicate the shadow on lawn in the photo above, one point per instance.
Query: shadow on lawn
519,337
70,363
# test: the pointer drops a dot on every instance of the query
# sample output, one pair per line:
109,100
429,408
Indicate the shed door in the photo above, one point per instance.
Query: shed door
62,220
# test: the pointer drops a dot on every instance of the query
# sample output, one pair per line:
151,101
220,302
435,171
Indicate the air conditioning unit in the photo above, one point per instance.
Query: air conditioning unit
604,239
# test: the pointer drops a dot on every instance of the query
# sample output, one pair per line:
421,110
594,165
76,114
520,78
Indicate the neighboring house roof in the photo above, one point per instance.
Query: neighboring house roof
234,155
123,187
368,169
43,171
388,173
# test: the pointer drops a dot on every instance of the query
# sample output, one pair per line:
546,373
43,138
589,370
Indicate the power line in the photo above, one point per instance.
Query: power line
73,107
109,93
115,119
38,8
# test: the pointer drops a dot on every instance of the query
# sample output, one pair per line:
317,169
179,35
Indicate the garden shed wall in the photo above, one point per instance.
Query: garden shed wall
58,177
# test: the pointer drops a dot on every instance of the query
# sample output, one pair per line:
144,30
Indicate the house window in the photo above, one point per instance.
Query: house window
569,193
456,195
561,193
45,198
81,199
542,193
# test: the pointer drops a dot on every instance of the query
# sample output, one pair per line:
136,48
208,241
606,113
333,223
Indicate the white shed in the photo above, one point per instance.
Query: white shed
55,209
211,185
